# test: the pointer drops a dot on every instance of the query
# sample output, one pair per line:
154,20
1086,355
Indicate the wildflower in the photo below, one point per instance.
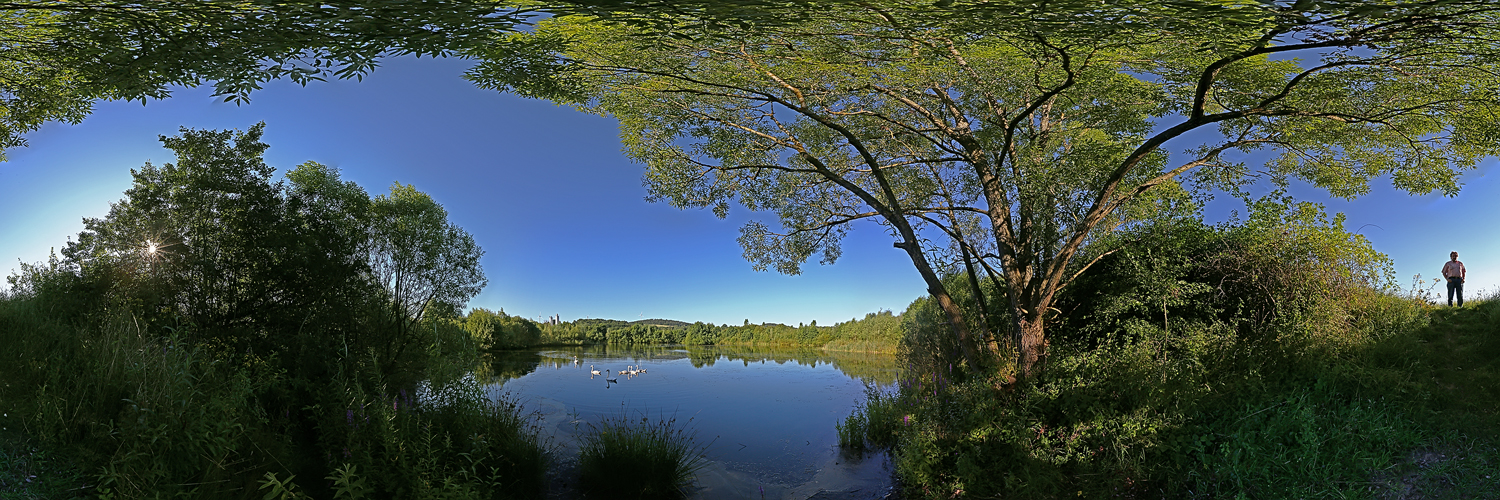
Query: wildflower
349,416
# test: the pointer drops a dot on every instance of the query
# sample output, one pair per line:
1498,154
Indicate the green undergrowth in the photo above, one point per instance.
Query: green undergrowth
638,458
1206,415
102,409
1233,362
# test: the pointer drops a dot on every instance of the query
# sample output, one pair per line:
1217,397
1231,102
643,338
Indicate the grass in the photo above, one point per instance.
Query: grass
874,425
28,471
1402,400
1452,367
638,458
103,409
1448,375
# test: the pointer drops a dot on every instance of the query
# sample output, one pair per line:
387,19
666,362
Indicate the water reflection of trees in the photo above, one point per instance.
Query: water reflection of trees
500,366
874,367
497,367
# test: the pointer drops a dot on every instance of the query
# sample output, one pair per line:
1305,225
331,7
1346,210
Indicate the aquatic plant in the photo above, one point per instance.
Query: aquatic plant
638,458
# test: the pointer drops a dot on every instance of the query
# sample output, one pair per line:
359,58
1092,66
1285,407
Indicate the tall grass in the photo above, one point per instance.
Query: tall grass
1387,395
118,411
638,458
875,424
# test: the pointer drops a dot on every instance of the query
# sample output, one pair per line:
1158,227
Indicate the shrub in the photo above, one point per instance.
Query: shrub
638,458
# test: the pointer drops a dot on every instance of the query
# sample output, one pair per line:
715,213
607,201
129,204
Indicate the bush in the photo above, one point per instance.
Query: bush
447,441
638,459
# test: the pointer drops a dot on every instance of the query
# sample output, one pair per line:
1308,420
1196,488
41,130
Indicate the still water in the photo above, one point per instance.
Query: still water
767,415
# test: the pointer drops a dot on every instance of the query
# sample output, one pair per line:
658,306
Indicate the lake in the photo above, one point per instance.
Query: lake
766,415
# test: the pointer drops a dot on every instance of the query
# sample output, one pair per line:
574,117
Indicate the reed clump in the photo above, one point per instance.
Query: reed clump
638,458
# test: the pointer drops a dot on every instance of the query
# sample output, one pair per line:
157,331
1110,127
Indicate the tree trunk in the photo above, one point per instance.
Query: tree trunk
1031,344
960,326
950,307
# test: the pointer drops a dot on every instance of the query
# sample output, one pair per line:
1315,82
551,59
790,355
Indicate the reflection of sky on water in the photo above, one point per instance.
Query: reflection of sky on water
769,414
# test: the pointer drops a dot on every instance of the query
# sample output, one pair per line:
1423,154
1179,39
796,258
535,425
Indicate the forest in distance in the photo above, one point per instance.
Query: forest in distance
871,367
876,332
228,330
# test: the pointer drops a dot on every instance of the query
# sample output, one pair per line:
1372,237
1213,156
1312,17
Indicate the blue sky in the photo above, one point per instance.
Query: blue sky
558,209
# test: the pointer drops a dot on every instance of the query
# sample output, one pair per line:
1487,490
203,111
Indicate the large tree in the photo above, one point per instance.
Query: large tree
1019,144
57,58
213,247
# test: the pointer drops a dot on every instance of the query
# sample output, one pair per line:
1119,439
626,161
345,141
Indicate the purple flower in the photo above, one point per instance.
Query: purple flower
349,416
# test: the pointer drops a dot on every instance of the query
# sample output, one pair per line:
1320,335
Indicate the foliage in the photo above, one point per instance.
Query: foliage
876,332
62,56
1268,359
212,247
29,471
420,260
214,335
626,457
347,483
1286,266
874,425
501,331
445,441
1010,148
147,413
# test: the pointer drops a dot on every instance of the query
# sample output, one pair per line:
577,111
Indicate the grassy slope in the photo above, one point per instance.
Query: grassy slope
1405,406
1450,373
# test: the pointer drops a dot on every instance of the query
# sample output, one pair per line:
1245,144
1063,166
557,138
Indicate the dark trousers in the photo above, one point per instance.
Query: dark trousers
1456,285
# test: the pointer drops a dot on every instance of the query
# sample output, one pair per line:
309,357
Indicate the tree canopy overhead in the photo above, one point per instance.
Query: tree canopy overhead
61,56
1009,148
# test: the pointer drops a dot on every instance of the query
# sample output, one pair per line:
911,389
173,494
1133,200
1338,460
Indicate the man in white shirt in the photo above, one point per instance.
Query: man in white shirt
1454,271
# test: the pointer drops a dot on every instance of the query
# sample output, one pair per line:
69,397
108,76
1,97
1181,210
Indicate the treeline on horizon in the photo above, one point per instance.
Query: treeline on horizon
872,366
876,332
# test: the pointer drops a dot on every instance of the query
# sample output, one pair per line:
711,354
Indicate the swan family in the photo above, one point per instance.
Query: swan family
609,376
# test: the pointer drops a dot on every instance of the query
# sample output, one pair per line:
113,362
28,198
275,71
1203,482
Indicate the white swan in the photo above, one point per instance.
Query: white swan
594,371
641,370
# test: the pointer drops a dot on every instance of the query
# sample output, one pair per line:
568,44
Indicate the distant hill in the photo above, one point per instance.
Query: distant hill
664,323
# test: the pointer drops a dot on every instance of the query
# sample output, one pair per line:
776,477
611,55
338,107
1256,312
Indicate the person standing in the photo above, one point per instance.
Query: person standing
1454,271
